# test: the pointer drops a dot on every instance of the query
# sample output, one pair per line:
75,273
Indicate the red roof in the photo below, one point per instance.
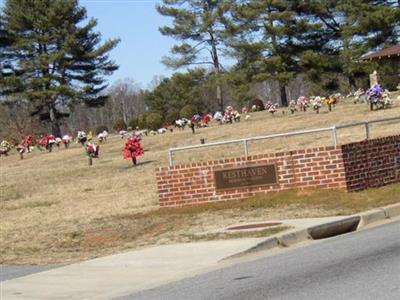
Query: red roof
390,52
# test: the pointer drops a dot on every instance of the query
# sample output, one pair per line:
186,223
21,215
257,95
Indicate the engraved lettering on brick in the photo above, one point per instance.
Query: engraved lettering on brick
245,177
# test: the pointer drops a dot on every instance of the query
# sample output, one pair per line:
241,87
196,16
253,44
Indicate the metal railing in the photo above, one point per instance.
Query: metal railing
366,124
332,129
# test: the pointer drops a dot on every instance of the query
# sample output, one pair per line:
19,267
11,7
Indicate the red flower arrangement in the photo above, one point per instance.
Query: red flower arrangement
28,140
132,149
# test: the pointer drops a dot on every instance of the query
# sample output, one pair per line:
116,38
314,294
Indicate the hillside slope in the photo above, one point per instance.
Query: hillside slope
48,197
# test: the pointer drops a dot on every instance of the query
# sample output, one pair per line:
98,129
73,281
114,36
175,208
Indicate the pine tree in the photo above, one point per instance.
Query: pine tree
182,89
200,26
55,60
277,39
271,42
5,43
354,27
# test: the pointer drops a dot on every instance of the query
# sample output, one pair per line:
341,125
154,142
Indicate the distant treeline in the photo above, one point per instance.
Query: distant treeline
54,66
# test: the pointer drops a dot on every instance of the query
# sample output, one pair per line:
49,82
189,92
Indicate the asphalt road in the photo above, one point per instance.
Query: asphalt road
8,272
359,265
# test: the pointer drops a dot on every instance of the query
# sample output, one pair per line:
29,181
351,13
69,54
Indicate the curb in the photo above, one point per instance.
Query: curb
326,230
294,237
269,243
392,211
284,240
371,216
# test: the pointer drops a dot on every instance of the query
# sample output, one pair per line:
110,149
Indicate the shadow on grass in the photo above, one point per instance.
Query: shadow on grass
106,161
139,163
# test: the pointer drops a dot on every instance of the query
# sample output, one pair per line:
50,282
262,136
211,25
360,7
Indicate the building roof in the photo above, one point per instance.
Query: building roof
391,52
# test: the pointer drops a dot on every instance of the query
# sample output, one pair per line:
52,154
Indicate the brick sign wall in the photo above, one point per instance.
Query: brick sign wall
352,167
372,163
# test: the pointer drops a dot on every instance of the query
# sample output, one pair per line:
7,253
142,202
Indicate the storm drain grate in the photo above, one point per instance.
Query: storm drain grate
334,228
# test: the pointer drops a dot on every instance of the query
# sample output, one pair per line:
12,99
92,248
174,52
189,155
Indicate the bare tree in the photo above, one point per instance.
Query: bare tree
127,99
16,121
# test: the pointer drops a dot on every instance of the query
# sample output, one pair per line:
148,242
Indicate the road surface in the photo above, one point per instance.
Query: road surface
359,265
8,272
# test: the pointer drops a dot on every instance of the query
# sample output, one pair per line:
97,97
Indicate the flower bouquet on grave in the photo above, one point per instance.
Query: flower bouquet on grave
218,116
302,102
375,95
81,138
228,115
92,151
292,106
133,149
386,101
28,142
41,143
47,142
66,140
21,149
272,108
360,96
5,147
254,108
51,141
205,120
331,100
316,103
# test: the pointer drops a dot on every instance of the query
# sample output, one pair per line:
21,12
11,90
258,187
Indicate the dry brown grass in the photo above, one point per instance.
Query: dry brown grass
54,208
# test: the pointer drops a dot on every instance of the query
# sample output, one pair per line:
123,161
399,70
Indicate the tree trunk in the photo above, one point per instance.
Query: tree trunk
219,98
55,126
214,56
284,101
352,82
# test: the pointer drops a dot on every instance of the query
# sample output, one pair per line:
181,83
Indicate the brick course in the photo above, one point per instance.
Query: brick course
372,163
351,167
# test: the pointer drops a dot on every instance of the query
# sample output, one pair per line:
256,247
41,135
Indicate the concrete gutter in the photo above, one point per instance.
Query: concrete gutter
334,228
325,230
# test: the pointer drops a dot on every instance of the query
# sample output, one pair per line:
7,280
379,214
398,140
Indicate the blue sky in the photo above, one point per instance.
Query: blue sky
142,46
136,23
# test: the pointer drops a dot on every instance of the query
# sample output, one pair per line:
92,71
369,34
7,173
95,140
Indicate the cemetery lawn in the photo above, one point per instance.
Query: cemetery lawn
56,209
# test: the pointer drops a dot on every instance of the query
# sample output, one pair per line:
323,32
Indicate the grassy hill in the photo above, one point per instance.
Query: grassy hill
55,208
